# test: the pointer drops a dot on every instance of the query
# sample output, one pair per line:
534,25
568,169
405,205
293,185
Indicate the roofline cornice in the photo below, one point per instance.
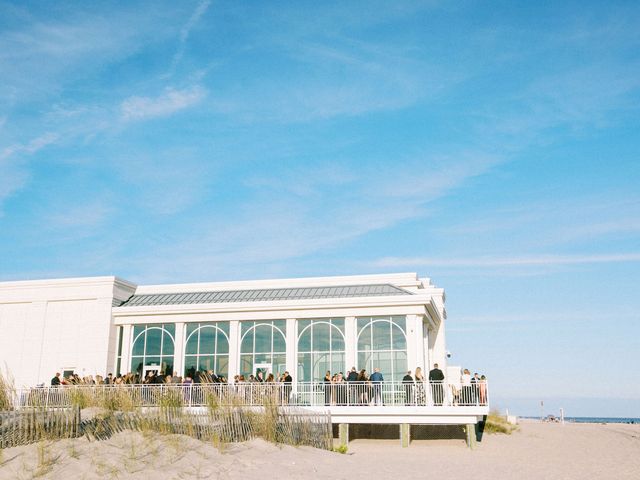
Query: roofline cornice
355,302
397,279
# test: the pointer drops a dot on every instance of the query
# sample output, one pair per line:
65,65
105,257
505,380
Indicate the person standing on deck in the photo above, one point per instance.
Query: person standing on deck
353,388
287,387
436,377
407,382
377,379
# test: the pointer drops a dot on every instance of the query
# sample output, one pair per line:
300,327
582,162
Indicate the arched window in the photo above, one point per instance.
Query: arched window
153,346
320,348
263,343
382,343
207,348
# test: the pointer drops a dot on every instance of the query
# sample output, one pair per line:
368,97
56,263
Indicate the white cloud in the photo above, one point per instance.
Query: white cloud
87,215
14,174
301,212
186,30
515,261
31,147
171,101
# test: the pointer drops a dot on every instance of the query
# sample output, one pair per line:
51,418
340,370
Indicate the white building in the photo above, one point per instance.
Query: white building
94,326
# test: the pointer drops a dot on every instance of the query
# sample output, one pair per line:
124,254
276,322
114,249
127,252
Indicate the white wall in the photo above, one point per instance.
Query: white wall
50,325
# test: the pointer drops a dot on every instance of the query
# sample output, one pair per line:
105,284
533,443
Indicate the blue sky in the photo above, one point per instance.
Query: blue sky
492,147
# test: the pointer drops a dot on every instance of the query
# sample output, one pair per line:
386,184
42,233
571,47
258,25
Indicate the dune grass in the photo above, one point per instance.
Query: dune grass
7,391
497,423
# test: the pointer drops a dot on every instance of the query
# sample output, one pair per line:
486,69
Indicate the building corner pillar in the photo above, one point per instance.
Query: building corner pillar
292,348
234,350
178,352
351,344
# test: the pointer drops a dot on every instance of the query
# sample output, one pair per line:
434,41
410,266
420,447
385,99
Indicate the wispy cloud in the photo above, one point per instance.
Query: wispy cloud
30,147
88,215
14,173
287,216
186,30
171,101
515,261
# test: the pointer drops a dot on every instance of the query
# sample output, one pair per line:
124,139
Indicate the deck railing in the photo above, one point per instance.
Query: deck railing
345,394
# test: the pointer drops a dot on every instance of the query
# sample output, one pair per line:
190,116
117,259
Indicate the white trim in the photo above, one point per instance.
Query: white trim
398,279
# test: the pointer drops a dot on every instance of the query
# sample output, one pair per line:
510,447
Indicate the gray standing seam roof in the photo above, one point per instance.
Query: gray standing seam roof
266,294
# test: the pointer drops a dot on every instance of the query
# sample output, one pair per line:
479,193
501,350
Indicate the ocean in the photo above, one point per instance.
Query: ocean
602,420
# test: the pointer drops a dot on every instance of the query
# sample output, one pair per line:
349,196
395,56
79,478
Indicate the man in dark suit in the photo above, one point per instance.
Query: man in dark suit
353,388
287,387
436,377
407,382
55,381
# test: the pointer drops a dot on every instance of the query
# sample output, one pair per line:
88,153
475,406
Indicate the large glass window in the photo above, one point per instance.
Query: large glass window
153,346
382,343
320,348
263,343
207,348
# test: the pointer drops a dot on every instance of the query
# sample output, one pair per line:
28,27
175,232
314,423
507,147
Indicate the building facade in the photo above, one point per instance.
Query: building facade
308,326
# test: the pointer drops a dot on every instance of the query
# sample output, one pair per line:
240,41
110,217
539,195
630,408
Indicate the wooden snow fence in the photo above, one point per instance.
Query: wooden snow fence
226,425
287,425
30,425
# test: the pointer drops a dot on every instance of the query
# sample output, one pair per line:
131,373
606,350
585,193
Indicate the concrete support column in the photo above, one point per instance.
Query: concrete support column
405,434
351,344
292,347
415,343
439,347
419,341
125,363
470,430
178,352
343,434
426,332
234,349
411,344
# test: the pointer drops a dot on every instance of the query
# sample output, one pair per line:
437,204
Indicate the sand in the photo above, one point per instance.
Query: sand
536,451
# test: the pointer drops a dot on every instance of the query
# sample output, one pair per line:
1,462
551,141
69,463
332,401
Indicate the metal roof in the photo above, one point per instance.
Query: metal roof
264,295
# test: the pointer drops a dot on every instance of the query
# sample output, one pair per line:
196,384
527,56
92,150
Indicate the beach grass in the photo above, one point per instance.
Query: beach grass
7,391
497,423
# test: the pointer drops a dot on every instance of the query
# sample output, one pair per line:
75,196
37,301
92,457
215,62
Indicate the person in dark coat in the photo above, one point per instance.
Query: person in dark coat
326,383
55,381
436,377
352,377
407,382
287,387
376,379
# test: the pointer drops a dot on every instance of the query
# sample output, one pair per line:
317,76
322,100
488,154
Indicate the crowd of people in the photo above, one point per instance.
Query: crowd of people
354,388
360,388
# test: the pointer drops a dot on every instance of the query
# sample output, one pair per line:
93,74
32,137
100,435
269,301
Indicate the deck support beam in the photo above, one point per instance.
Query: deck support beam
343,434
405,434
470,430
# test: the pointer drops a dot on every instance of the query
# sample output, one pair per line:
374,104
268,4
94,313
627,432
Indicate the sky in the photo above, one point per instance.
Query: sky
492,147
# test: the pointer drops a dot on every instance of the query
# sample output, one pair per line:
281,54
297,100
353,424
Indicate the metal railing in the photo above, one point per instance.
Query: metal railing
344,394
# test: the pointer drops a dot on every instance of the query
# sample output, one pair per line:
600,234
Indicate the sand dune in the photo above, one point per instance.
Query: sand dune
536,451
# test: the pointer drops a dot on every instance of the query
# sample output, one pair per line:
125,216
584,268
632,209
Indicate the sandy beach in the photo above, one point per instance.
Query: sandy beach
536,451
